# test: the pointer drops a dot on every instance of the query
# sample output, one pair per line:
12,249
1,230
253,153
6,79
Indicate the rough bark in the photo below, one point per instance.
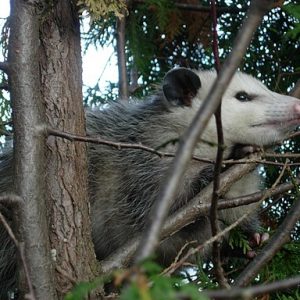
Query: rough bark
28,115
66,166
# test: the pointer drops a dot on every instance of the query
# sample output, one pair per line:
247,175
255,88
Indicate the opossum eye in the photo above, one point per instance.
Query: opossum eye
243,96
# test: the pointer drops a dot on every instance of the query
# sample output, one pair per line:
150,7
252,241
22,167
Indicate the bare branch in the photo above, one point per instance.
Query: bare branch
252,292
192,251
281,236
198,206
202,8
123,81
99,140
215,228
194,132
13,199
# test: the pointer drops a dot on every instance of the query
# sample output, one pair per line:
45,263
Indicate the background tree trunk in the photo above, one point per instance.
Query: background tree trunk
66,167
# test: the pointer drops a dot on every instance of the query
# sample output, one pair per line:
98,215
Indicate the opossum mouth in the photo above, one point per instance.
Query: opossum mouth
279,123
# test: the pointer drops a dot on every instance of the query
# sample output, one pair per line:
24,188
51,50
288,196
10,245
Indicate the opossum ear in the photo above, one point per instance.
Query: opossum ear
181,85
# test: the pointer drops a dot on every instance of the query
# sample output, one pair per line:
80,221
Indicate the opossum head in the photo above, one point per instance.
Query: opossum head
251,113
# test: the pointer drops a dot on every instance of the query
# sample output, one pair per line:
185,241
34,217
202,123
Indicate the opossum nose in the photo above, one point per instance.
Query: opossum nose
296,108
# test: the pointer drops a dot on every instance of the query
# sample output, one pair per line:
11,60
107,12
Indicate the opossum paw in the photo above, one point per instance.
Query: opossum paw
240,151
256,240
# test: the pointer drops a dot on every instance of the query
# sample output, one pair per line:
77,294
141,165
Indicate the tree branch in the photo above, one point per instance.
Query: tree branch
198,206
13,199
252,292
215,228
118,145
281,236
192,135
123,81
202,8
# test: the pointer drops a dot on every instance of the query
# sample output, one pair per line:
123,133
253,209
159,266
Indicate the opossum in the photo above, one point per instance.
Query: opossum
124,183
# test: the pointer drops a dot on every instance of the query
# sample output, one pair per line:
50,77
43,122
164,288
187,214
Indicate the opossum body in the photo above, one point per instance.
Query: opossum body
124,183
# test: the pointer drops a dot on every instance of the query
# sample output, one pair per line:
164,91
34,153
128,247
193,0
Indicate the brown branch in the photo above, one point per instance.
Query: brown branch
254,291
192,251
121,41
215,228
177,169
118,145
284,155
213,239
281,236
198,206
16,200
202,8
98,140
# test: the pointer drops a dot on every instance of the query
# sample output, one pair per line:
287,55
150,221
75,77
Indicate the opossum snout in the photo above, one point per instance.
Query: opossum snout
296,108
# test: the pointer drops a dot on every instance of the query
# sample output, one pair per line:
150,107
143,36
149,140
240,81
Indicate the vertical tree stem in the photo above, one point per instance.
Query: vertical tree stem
28,117
216,249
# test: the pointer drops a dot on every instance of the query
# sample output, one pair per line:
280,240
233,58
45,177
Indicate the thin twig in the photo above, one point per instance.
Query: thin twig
215,228
123,81
281,155
186,215
281,236
98,140
254,291
118,145
173,267
20,246
202,8
216,237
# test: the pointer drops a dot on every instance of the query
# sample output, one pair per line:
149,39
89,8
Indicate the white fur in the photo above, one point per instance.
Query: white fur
263,121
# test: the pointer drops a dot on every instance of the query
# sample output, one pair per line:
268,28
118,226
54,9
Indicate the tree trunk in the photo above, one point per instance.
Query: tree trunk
50,174
28,115
66,168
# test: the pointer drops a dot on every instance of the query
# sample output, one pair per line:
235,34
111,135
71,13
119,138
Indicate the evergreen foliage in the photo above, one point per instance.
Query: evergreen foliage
159,36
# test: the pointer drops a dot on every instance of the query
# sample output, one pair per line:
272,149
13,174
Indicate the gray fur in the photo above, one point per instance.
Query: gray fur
124,183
